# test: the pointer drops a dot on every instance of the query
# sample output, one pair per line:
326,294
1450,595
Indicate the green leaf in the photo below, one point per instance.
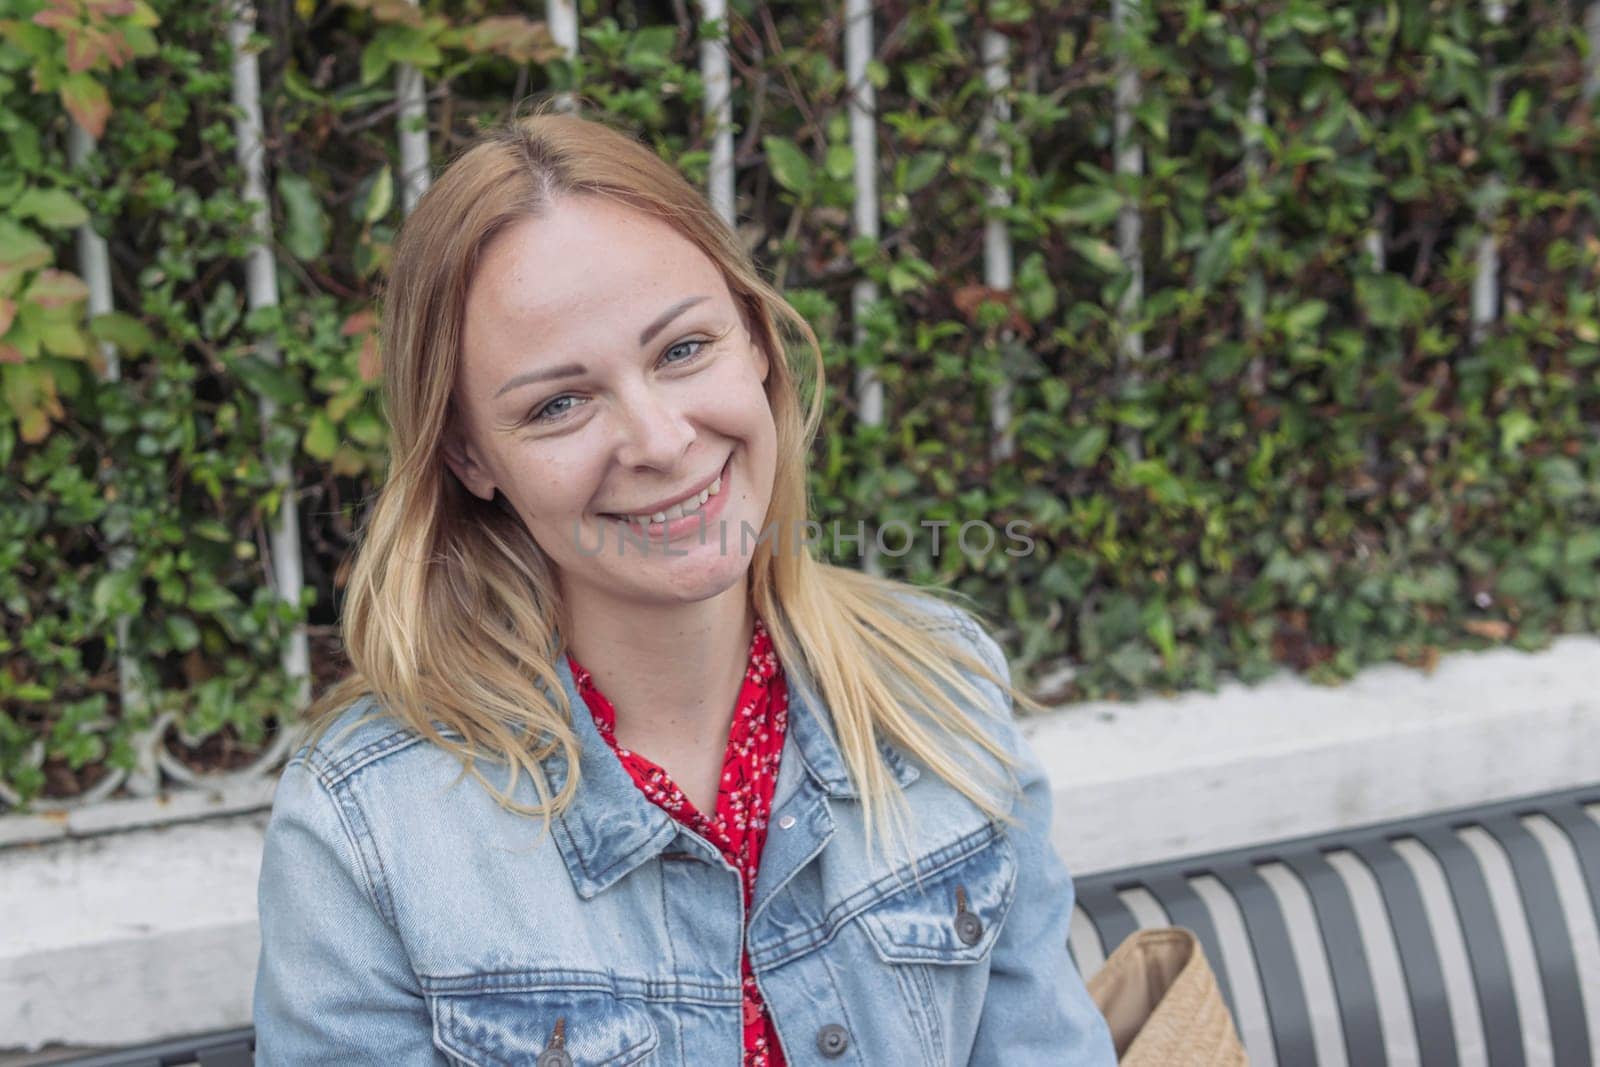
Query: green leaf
650,49
1099,254
1215,256
790,167
1305,317
221,312
305,232
840,162
1035,289
381,197
269,380
182,632
322,437
1085,445
116,594
119,328
1516,427
54,208
20,249
921,169
1088,205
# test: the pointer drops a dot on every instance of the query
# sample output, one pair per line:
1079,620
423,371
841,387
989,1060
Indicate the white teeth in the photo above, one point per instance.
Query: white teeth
677,511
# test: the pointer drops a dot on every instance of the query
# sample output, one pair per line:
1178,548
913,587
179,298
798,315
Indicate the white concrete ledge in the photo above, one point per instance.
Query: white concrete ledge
1157,779
132,936
129,937
130,813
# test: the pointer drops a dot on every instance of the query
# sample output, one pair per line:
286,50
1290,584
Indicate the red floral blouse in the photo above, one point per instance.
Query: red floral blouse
744,798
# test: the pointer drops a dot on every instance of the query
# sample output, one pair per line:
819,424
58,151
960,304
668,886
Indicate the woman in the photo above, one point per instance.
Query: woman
756,808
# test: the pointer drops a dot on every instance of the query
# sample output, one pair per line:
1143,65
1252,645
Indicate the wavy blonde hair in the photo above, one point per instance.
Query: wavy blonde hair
451,616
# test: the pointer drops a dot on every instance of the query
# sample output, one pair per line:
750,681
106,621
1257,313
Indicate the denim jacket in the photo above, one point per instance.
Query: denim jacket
409,921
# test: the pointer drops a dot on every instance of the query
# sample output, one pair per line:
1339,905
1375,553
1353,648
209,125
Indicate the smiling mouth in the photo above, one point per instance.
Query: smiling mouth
683,509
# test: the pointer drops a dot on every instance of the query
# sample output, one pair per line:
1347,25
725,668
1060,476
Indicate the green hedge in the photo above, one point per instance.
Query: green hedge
1314,465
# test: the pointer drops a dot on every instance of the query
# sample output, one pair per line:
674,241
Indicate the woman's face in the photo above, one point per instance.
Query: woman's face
607,378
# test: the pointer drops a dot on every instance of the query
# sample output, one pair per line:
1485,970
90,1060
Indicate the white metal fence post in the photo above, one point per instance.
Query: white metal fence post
1255,168
261,287
94,265
864,148
718,107
1486,282
1129,164
562,18
415,173
998,260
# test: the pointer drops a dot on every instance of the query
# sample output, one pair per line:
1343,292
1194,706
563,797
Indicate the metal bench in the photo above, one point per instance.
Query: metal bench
1462,937
220,1048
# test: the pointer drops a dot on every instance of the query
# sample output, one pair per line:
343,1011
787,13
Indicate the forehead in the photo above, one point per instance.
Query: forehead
587,270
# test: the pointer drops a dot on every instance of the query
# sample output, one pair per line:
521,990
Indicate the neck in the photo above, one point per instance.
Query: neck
671,671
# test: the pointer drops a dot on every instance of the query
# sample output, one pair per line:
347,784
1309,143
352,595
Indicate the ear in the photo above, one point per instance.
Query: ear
463,460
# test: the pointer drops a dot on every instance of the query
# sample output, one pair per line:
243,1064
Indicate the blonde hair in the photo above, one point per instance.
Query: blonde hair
451,616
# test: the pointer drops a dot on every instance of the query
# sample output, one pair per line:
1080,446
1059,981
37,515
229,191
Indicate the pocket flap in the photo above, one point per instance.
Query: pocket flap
952,916
515,1027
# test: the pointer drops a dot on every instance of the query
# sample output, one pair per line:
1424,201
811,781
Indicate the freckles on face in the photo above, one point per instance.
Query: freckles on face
606,371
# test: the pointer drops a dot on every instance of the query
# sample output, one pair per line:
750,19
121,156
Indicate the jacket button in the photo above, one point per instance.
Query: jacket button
554,1057
832,1040
969,928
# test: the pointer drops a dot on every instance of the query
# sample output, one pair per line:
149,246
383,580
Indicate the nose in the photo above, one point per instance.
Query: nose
656,432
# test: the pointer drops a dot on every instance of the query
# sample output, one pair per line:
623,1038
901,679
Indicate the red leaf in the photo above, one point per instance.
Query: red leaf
363,321
57,288
88,102
370,362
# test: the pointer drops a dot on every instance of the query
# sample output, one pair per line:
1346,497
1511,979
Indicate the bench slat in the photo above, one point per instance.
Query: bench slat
1552,941
1111,917
1584,834
1340,932
1185,908
1486,949
1275,961
1419,956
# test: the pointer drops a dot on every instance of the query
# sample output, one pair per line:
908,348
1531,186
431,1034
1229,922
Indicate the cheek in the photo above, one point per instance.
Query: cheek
550,486
742,398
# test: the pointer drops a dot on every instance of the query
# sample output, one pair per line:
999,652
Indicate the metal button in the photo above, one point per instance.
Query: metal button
786,823
832,1040
969,928
555,1055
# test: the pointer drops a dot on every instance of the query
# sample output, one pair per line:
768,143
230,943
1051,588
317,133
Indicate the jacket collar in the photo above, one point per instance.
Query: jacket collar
611,828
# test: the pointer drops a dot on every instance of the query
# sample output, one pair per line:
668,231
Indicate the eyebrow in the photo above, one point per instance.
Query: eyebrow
666,317
566,370
570,370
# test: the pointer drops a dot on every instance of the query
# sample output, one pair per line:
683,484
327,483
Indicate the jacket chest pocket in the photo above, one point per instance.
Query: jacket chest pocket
542,1028
952,916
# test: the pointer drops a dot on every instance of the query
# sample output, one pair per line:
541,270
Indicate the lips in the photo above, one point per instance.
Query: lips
689,506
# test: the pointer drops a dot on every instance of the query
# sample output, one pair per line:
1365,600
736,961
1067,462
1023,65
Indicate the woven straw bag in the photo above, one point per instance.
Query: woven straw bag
1163,1004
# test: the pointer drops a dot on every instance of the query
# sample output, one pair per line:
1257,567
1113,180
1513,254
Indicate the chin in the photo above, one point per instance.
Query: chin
694,585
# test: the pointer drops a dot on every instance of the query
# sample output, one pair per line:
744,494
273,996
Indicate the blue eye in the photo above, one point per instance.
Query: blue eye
699,344
545,412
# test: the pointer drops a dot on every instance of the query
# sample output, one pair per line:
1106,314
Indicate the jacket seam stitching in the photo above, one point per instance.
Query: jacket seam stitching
783,951
376,890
